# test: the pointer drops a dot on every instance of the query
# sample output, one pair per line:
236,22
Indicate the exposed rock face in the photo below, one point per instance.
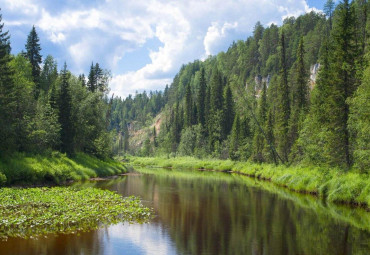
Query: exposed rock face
314,70
259,80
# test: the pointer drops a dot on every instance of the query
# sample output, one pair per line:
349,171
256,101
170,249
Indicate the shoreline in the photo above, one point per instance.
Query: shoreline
324,183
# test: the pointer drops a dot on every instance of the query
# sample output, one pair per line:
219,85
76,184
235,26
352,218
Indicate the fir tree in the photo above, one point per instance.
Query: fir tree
33,54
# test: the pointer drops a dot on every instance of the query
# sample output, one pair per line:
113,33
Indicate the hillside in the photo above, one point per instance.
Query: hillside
286,94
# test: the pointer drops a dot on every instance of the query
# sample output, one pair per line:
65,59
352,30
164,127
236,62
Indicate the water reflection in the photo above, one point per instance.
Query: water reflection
213,213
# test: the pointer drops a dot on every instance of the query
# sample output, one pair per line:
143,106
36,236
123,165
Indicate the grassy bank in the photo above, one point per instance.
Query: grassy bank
56,168
39,211
333,185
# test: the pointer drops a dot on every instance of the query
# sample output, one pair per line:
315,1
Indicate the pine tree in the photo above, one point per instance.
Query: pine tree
33,55
7,98
65,110
283,107
202,98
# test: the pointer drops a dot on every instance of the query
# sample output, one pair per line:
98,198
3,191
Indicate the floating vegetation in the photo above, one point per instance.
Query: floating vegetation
39,211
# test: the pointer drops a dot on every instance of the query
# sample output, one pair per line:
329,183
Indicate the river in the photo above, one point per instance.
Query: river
198,212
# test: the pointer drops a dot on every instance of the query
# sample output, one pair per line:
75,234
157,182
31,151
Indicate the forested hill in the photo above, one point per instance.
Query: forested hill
298,92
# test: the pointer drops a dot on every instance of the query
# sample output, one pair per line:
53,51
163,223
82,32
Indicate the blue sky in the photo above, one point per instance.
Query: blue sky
142,42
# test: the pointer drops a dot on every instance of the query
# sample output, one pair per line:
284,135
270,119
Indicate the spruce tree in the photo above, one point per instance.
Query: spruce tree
49,73
283,107
7,98
344,56
65,111
202,98
91,82
33,54
235,138
228,111
82,80
188,107
300,94
329,10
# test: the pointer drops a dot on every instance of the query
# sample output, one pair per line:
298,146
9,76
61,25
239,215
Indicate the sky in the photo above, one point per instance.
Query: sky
142,42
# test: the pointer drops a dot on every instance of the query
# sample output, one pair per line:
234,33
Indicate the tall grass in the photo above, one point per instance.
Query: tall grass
331,184
55,168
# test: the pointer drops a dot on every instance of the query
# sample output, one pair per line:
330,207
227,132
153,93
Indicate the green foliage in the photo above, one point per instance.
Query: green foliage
55,167
33,55
65,113
329,183
359,122
40,211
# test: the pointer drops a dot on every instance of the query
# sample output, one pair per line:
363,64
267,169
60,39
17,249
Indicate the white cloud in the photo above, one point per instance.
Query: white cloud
215,35
187,29
27,7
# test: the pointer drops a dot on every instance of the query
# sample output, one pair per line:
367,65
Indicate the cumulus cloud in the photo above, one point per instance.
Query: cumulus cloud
190,29
215,35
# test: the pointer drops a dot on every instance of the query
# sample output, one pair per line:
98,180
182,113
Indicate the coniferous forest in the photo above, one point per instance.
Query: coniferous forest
288,94
214,162
298,93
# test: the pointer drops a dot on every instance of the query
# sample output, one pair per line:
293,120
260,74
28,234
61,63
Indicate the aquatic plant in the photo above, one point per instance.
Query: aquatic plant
40,211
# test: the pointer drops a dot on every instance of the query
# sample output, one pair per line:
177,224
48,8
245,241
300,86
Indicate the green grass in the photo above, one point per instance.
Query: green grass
334,185
56,168
39,211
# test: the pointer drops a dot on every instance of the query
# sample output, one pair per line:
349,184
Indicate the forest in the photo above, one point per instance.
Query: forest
294,94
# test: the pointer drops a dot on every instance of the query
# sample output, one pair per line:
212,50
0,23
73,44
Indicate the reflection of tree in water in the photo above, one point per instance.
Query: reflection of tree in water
207,216
214,213
85,243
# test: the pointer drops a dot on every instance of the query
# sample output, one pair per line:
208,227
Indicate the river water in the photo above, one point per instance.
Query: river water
213,213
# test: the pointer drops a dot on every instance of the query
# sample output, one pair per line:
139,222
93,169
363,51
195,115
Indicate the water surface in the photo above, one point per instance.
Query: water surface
213,213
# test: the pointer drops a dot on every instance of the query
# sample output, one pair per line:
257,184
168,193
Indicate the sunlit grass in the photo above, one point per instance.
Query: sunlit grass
56,168
334,185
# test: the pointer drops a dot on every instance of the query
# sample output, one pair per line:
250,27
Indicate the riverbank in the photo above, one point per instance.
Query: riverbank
56,168
330,184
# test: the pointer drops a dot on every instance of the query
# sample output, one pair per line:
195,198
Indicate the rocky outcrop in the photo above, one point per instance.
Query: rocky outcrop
314,70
